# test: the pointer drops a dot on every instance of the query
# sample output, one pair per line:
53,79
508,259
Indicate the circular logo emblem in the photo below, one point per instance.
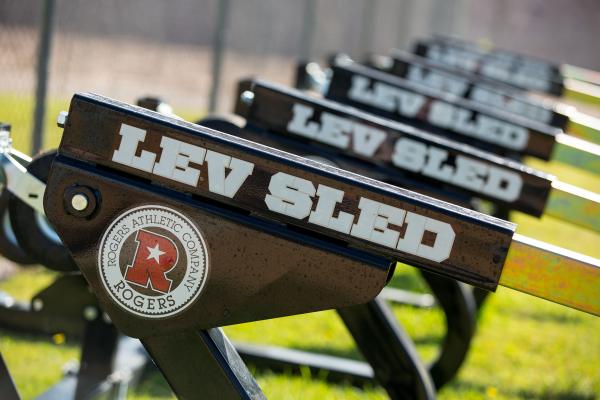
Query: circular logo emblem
153,261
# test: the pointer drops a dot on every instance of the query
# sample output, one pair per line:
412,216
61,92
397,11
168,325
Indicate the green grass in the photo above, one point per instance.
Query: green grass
525,348
17,110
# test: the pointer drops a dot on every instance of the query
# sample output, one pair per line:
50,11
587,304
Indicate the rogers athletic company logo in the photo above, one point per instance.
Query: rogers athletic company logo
153,261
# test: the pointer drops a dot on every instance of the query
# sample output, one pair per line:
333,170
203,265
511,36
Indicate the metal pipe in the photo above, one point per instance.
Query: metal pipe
308,30
43,60
368,27
405,27
218,51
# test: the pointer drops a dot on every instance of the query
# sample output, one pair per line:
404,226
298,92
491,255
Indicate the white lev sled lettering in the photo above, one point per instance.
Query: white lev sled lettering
500,69
408,154
336,131
440,114
495,96
175,159
293,196
466,172
510,102
436,80
467,122
386,97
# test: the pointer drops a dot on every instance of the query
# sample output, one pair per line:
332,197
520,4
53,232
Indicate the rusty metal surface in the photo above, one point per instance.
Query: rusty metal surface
92,134
553,273
273,109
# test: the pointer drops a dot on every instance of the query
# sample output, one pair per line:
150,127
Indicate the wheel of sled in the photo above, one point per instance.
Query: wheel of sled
34,233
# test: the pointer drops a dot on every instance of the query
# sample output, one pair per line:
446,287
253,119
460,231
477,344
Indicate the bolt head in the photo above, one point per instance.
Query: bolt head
79,201
5,141
37,304
61,121
90,313
247,97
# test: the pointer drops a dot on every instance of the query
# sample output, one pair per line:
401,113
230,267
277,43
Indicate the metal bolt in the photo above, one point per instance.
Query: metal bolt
164,109
79,202
61,121
90,313
247,97
5,141
37,304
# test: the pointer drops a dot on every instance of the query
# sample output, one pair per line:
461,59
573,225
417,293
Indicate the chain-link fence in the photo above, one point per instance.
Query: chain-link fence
126,49
18,46
134,48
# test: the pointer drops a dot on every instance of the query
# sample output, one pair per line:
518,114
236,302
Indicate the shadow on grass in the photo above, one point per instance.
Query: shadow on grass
466,386
537,316
429,340
347,352
354,353
152,385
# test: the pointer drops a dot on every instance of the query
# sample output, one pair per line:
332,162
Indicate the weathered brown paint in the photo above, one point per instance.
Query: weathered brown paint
479,248
252,274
